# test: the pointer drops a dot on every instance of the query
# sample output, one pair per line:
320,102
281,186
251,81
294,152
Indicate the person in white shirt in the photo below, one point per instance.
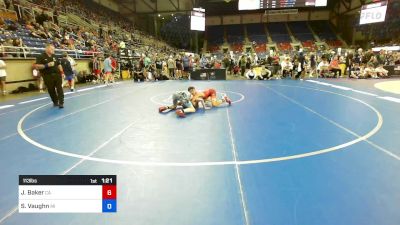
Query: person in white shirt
323,67
251,75
3,75
287,67
369,71
381,72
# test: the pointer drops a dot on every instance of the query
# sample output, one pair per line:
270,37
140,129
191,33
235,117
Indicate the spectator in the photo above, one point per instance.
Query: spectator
138,73
287,67
68,71
3,75
313,65
369,72
349,63
171,67
266,74
250,74
242,63
55,17
381,72
323,67
334,66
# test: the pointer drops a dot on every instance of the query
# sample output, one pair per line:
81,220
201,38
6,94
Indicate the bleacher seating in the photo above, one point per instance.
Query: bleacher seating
278,32
335,43
310,45
285,46
235,34
256,33
301,31
324,31
260,48
215,35
213,48
237,47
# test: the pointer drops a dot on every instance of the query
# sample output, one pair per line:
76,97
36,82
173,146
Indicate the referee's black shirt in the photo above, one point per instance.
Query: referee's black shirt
45,59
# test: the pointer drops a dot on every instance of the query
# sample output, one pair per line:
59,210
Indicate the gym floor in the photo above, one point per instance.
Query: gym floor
286,152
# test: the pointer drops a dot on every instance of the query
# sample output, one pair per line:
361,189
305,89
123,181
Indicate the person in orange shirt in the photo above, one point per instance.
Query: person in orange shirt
334,66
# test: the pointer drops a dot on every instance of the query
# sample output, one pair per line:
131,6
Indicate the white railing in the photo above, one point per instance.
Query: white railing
32,52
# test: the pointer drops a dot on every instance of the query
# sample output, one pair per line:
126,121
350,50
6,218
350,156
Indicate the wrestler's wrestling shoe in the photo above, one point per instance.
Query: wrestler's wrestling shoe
227,100
162,109
180,113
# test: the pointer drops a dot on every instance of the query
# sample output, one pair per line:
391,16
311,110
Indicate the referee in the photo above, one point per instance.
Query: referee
52,74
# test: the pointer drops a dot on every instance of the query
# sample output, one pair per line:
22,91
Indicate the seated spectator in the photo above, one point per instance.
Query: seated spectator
287,67
17,42
369,72
2,50
323,67
217,64
266,74
355,71
250,74
9,52
138,73
381,72
334,66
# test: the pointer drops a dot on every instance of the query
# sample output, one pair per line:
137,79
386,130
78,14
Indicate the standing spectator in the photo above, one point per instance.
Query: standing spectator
159,65
358,58
179,67
96,71
185,62
147,63
55,16
52,73
68,71
242,65
248,63
349,63
313,65
3,75
40,19
203,61
7,3
300,66
114,64
108,69
171,67
100,31
275,64
73,64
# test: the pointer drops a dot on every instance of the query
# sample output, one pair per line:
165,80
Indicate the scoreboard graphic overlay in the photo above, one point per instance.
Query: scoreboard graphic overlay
67,194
